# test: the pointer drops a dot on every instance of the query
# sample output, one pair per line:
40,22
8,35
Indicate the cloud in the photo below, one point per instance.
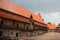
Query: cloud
52,17
55,15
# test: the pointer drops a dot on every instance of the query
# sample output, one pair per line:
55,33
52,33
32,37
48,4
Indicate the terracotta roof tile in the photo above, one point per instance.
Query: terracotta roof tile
51,26
16,9
19,10
7,15
38,18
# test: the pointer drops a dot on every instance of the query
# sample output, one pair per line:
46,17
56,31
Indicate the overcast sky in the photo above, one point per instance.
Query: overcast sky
49,9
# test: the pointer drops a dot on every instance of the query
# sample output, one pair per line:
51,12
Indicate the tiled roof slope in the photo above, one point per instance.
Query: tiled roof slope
15,9
19,10
51,26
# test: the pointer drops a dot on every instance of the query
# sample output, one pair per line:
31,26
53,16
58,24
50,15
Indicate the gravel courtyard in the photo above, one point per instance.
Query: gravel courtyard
47,36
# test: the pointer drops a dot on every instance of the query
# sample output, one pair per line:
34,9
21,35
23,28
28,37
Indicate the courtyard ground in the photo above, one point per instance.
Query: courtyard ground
47,36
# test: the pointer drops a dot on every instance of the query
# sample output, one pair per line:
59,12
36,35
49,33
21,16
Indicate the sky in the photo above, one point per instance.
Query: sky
49,9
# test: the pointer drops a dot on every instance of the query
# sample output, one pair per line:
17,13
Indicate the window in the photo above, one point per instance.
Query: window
35,27
9,22
24,26
0,33
27,26
15,23
4,21
19,24
0,21
16,34
11,33
17,39
14,39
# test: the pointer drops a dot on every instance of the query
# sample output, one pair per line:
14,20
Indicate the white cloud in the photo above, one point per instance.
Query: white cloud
55,14
52,17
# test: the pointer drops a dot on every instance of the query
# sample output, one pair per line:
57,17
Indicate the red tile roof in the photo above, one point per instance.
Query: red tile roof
14,17
16,9
19,10
51,26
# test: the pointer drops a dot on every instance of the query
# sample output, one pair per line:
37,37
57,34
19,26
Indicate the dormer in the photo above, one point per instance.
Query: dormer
31,19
